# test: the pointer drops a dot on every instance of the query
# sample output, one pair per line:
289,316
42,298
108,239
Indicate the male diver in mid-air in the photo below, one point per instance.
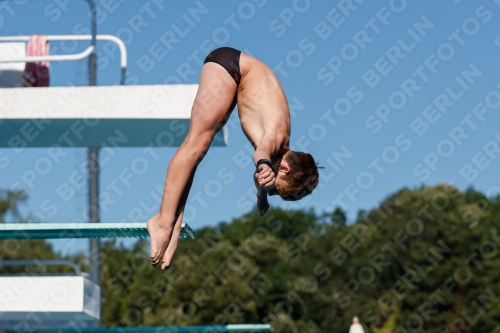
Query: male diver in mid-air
231,77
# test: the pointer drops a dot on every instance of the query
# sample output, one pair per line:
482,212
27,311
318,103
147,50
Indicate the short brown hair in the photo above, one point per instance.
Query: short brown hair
302,178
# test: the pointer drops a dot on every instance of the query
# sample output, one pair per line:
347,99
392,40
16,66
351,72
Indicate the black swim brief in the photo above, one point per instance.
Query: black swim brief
228,58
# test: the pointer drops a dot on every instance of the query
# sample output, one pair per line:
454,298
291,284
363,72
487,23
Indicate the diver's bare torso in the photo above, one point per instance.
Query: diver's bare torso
262,105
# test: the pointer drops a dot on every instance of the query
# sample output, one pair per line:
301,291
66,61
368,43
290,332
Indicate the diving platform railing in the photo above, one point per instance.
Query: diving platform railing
71,57
41,263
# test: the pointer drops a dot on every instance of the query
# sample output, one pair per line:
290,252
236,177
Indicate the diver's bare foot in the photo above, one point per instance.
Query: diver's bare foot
172,246
160,234
262,205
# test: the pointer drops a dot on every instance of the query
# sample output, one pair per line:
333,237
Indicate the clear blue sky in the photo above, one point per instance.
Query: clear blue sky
385,95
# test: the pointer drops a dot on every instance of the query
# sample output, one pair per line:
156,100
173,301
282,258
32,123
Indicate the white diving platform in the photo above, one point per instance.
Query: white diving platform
100,116
48,298
80,230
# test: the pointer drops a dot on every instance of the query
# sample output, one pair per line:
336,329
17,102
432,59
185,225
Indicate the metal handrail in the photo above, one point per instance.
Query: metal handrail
71,57
41,262
66,57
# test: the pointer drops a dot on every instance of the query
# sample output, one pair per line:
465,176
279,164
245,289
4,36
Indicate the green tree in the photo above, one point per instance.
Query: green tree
22,249
9,202
424,260
338,218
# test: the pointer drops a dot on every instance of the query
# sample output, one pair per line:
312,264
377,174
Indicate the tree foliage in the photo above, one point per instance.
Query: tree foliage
9,202
425,260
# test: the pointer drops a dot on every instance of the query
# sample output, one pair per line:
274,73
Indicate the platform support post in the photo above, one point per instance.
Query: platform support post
93,159
95,247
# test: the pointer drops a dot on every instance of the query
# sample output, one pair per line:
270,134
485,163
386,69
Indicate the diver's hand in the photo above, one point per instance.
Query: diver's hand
266,177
